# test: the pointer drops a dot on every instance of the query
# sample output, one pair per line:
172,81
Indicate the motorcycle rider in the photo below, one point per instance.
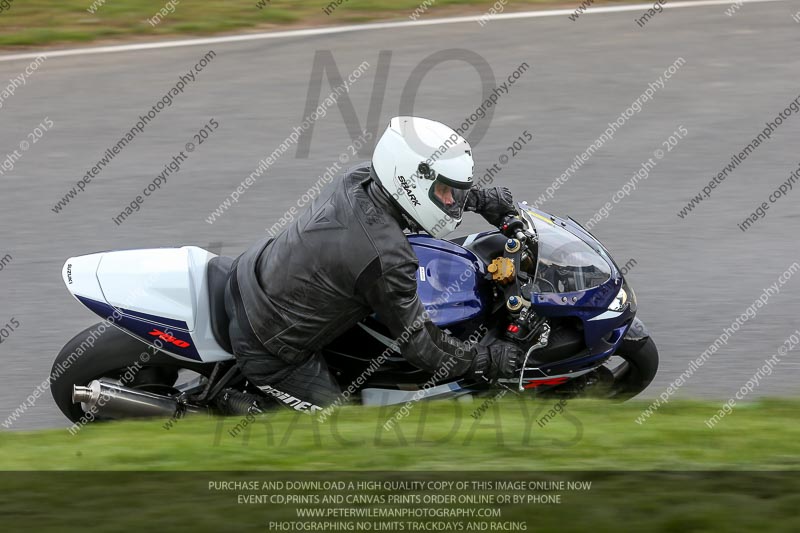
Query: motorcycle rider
347,257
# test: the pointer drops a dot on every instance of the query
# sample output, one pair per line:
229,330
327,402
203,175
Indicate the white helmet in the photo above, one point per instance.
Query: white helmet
427,168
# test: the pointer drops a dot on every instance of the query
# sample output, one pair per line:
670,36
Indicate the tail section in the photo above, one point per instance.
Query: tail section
159,296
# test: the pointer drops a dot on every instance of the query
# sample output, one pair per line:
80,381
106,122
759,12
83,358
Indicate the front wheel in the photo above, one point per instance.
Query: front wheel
115,355
627,373
636,371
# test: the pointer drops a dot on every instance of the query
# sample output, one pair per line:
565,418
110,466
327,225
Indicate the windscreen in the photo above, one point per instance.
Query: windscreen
566,263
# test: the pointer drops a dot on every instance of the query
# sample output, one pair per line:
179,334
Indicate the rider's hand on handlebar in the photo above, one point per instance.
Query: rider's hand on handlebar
494,203
498,360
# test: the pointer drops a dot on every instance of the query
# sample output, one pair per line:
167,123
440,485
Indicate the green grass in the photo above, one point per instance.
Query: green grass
40,22
671,474
440,436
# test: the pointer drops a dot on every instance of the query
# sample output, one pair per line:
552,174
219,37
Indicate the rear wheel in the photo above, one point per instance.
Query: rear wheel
117,356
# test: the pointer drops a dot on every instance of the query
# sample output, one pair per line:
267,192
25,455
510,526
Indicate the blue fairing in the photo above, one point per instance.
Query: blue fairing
456,293
450,282
603,329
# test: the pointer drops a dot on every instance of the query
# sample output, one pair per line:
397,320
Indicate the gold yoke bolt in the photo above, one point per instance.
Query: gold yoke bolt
502,270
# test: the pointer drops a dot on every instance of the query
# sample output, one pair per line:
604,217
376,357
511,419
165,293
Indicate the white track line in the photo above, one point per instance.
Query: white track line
359,27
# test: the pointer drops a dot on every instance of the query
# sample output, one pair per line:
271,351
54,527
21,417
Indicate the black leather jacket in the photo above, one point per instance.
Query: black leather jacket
341,260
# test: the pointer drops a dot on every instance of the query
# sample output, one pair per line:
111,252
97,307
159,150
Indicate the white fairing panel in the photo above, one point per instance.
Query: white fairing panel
162,289
80,276
162,282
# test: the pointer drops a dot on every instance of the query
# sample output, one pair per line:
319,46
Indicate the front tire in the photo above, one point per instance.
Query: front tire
112,354
641,357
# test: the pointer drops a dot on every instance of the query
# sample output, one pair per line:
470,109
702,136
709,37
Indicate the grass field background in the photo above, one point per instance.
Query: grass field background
436,436
670,474
40,22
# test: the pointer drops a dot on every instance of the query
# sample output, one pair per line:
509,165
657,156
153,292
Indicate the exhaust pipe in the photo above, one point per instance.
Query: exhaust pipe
108,399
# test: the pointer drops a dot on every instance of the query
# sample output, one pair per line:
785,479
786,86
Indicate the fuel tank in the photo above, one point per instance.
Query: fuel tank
450,282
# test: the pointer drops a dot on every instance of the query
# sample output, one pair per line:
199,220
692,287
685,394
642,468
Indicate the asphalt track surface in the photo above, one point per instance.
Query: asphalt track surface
693,276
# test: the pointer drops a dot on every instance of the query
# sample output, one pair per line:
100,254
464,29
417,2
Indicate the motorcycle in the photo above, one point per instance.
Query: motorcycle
540,281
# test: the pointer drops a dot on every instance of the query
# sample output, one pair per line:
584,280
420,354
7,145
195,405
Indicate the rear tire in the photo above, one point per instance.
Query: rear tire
112,354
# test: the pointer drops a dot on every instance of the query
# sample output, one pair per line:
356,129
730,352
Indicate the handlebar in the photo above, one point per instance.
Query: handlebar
513,227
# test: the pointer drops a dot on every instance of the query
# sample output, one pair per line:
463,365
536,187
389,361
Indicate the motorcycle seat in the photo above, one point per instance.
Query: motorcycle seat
218,270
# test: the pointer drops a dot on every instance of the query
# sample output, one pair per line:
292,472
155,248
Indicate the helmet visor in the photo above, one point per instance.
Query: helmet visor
449,199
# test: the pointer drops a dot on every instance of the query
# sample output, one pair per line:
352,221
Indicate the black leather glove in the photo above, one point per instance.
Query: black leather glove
498,360
494,204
